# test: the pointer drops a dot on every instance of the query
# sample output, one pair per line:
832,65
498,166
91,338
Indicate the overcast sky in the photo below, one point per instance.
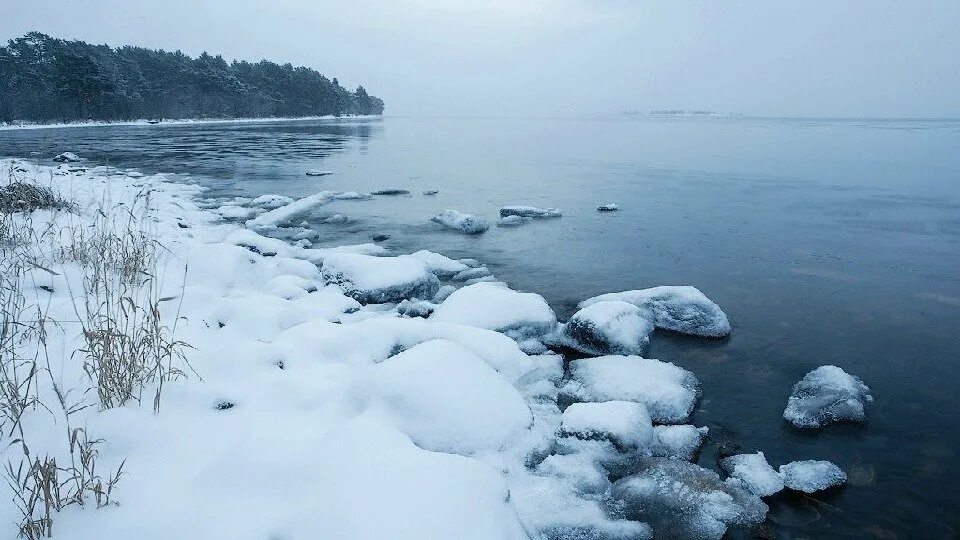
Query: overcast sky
542,57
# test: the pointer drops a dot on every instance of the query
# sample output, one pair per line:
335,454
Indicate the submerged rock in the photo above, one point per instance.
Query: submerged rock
530,212
812,475
612,327
375,280
669,392
611,207
494,306
460,221
755,472
827,395
682,500
681,309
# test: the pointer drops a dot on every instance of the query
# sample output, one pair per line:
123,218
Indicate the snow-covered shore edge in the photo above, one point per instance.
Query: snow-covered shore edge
177,122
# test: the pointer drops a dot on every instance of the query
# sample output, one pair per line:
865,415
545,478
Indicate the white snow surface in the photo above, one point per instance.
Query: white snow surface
668,391
496,307
440,265
812,475
755,472
679,308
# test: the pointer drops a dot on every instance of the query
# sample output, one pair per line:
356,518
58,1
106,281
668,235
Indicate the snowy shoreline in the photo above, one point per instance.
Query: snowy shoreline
177,122
368,394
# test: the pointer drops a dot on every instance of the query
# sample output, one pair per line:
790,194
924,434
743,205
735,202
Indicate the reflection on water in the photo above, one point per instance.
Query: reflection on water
826,241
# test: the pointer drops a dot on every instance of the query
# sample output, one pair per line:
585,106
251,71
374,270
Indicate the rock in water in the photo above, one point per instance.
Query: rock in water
318,172
380,237
678,442
530,212
390,191
681,309
440,265
375,280
755,472
494,306
612,327
429,192
460,221
669,392
510,221
611,207
626,424
66,157
812,475
826,395
682,500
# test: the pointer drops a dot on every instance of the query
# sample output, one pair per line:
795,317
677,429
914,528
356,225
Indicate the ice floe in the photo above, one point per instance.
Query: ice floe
466,223
390,191
810,476
755,472
681,309
530,212
827,395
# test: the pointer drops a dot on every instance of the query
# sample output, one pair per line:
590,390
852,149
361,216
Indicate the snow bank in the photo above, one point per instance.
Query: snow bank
460,221
668,391
812,475
496,307
681,309
379,279
611,327
827,395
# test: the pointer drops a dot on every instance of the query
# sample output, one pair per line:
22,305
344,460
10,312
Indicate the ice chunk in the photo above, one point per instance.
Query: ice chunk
442,293
626,424
230,211
682,500
292,211
812,475
680,442
826,395
270,202
318,172
430,192
755,472
510,221
495,307
443,267
530,211
668,391
352,196
611,327
66,157
390,191
335,218
447,399
471,273
375,280
609,207
460,221
678,308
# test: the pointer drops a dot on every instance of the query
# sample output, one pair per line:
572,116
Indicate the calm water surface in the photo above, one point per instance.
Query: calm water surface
826,241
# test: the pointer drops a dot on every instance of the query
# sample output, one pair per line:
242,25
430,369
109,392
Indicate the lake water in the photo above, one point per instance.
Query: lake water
826,242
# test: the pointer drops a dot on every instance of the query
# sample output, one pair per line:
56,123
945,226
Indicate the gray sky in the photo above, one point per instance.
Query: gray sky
539,57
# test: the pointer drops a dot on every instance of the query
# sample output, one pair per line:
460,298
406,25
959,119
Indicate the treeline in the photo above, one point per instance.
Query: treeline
44,79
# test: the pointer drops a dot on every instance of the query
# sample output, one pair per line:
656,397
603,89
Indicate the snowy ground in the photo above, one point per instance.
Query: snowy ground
309,411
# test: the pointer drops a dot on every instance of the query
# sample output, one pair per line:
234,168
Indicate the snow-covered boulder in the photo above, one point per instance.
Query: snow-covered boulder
510,221
494,306
678,442
335,219
826,395
447,399
609,207
390,191
318,172
415,308
530,212
669,392
429,192
460,221
812,475
375,280
682,500
352,196
626,424
443,267
755,472
270,202
612,327
67,157
469,273
681,309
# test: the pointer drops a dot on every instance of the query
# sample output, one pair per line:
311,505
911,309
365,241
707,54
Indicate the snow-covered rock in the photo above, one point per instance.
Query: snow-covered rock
429,192
67,157
291,211
335,219
270,202
611,327
447,399
443,293
682,500
679,441
812,475
510,221
375,280
681,309
460,221
494,306
626,424
318,172
609,207
530,212
390,191
755,472
352,196
669,392
443,267
827,395
415,308
471,273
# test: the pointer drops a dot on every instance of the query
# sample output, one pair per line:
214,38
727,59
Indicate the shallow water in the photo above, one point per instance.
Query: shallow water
826,241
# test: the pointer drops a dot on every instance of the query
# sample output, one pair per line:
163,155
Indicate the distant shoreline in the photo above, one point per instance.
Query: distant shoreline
177,122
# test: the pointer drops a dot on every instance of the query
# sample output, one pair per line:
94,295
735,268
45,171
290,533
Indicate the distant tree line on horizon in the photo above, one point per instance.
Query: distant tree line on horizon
44,79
